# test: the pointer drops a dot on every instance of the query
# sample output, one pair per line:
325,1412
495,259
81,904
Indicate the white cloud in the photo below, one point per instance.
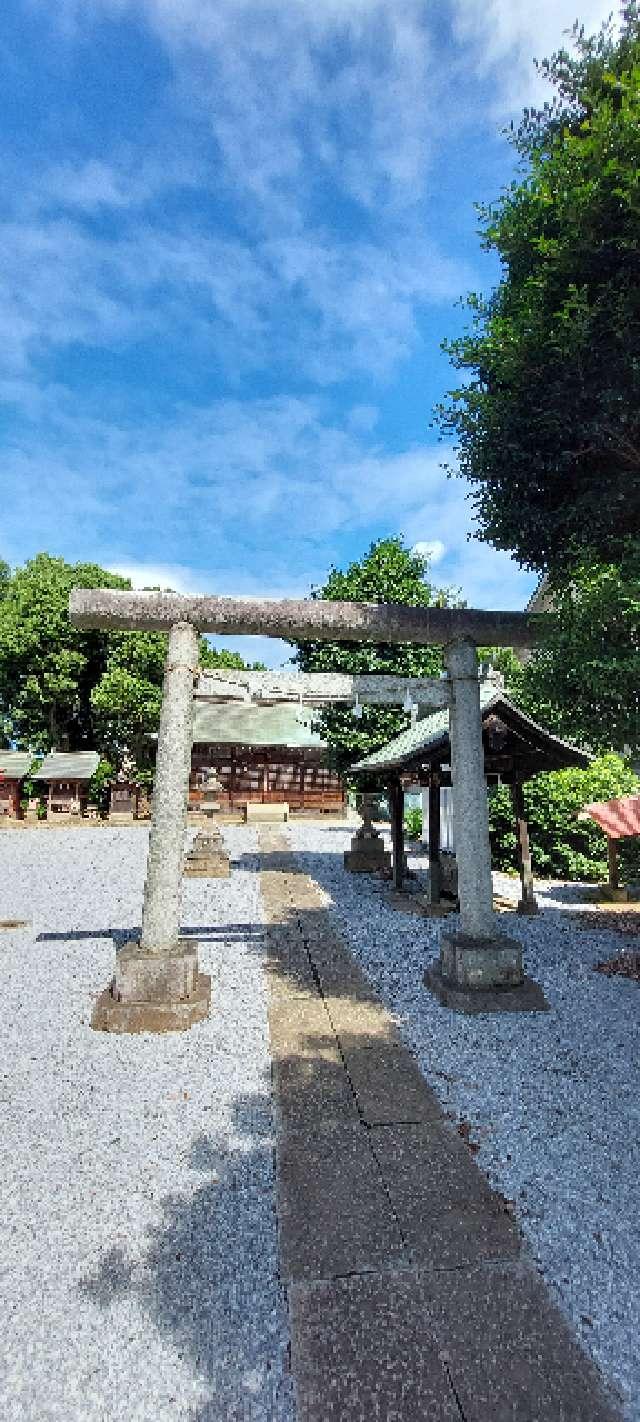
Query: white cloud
342,307
348,82
507,35
434,551
252,498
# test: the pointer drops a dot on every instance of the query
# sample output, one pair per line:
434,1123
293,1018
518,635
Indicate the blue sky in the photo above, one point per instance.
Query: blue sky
234,236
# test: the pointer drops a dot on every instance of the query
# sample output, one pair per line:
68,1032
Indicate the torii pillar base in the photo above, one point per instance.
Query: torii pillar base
527,996
483,975
154,992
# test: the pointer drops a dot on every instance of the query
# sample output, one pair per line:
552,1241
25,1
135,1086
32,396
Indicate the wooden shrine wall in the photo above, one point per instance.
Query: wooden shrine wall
268,775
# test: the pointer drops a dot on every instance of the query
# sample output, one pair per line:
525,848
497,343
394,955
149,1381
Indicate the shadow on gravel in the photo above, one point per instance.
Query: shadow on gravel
204,1275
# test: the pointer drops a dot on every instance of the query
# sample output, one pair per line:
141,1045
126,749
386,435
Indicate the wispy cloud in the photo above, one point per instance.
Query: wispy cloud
255,494
505,36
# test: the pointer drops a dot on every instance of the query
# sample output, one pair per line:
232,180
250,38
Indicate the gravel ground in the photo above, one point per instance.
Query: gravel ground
552,1099
139,1267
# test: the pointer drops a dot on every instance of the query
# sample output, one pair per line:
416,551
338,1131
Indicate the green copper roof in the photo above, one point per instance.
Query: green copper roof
14,765
68,765
285,724
433,730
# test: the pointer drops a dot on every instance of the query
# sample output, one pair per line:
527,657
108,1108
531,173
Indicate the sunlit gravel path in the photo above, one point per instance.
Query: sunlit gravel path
139,1267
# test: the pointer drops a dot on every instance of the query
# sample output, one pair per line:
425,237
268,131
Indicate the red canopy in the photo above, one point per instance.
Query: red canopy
618,818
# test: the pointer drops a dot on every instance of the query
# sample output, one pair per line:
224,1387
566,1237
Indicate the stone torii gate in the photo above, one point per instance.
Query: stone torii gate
157,985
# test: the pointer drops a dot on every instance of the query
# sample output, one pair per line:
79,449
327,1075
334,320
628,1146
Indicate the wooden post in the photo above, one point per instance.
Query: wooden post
612,859
527,902
396,802
434,837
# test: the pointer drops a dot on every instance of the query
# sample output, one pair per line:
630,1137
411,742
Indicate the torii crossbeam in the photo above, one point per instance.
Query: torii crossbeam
157,984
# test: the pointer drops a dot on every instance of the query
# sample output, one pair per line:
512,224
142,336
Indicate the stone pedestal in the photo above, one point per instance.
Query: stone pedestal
154,992
208,859
367,854
470,962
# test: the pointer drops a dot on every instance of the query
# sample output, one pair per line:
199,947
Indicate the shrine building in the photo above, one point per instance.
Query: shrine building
263,754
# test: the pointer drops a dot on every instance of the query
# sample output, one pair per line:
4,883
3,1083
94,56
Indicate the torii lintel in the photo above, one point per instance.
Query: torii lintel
302,619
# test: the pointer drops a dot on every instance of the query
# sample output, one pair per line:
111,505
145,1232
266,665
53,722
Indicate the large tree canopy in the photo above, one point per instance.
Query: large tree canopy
389,572
65,687
585,678
547,419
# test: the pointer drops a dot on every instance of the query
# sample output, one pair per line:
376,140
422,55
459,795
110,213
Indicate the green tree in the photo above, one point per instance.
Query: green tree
67,687
547,418
47,667
126,700
562,846
584,680
389,572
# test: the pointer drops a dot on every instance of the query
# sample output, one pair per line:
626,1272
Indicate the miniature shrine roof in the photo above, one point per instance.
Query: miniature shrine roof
427,742
68,765
618,818
14,765
285,724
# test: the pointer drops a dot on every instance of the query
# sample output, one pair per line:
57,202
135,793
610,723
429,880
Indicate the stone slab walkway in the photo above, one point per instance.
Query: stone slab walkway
409,1293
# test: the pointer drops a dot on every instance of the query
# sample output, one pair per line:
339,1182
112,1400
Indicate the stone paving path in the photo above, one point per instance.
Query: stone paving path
409,1292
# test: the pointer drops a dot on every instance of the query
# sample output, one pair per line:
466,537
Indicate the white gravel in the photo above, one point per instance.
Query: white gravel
553,1099
139,1267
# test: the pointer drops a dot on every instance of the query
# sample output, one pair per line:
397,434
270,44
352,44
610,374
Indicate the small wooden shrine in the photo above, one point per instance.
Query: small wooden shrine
262,754
515,749
14,767
124,793
67,775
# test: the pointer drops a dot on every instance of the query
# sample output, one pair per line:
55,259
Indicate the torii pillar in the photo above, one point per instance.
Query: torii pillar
157,985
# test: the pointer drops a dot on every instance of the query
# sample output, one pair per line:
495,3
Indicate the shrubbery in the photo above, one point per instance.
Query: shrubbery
562,846
413,822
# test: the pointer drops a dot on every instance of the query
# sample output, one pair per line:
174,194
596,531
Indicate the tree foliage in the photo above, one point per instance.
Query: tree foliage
47,667
584,680
562,846
63,687
547,418
389,572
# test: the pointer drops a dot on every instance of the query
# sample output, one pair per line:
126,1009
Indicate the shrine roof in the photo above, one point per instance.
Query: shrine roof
285,724
14,765
429,738
618,818
68,765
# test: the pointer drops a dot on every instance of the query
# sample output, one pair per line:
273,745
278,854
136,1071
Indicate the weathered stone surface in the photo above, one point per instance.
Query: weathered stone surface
428,1171
207,866
528,997
445,1207
362,1349
367,856
256,813
300,619
163,886
388,1084
470,962
511,1356
309,1091
300,1028
333,1209
470,808
156,977
110,1015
